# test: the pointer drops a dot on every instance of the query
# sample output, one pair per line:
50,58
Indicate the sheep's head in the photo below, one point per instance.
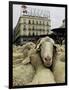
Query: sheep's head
45,45
28,45
60,49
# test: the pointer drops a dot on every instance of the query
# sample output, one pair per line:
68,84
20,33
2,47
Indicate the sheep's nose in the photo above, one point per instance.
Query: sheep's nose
48,59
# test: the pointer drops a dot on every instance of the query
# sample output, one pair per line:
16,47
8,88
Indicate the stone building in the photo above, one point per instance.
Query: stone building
31,26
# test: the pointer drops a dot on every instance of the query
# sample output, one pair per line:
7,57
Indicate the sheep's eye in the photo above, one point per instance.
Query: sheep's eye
28,48
45,58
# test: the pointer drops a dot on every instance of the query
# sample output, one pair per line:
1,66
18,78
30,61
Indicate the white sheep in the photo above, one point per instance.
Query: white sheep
46,46
21,52
27,47
43,75
22,73
21,49
58,66
60,51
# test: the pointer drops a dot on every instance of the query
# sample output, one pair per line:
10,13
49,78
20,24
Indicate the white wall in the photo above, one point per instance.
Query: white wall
4,24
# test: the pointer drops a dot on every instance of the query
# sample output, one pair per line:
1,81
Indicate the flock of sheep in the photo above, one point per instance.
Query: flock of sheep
40,63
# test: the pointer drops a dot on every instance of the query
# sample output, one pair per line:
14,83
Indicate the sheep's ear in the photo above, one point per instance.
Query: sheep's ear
26,61
55,45
38,47
55,48
38,44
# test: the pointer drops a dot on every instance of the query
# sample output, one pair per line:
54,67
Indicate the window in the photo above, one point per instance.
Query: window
29,29
29,33
40,29
24,27
29,21
17,33
47,31
47,24
33,34
36,22
43,23
33,22
33,28
36,33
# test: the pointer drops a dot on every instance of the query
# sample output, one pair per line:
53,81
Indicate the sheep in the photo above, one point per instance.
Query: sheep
20,49
23,73
33,68
43,75
60,51
21,52
58,66
48,53
46,46
17,49
27,47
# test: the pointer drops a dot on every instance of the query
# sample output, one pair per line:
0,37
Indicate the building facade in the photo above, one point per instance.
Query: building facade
31,26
